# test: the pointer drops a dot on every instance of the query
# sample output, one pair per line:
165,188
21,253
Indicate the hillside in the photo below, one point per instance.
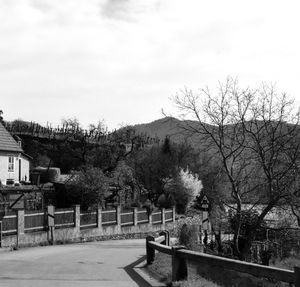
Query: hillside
172,128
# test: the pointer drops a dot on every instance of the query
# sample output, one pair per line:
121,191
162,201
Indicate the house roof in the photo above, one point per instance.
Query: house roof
7,142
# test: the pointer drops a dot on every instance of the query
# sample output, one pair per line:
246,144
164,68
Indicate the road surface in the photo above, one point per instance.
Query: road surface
101,264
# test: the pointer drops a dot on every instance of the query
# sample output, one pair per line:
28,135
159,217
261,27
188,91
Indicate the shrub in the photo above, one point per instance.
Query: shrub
87,187
194,220
188,236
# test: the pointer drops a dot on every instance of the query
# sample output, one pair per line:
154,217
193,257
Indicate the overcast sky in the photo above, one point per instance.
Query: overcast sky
122,60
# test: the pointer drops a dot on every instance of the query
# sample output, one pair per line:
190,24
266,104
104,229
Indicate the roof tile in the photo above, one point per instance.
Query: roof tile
7,142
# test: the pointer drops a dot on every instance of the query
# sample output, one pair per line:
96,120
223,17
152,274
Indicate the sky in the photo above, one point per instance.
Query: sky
123,60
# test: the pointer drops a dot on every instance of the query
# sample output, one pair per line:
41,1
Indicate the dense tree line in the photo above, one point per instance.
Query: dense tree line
132,170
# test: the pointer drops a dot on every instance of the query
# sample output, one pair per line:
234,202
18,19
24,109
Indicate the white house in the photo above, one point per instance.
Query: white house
14,163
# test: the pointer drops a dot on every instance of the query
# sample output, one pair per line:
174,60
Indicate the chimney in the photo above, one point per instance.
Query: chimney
18,140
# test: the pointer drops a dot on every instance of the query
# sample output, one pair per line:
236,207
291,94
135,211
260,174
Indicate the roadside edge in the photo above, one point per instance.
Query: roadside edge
146,276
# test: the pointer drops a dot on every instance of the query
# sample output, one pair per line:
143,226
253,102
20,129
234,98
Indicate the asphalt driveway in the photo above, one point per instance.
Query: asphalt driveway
106,263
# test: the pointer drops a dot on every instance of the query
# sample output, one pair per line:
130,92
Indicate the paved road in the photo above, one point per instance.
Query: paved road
101,264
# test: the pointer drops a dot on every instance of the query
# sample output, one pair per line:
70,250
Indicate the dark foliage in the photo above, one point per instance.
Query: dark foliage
248,223
87,187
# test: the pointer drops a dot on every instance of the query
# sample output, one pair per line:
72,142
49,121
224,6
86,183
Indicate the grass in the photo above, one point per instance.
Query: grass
286,263
201,282
162,268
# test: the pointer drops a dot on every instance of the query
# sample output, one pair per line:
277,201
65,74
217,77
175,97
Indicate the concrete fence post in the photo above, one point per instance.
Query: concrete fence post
50,215
174,214
135,216
297,276
118,216
150,252
163,217
0,234
179,265
50,223
77,215
99,217
20,226
77,219
150,217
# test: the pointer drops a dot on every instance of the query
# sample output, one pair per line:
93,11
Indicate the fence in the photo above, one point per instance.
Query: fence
127,217
72,133
188,264
34,220
156,217
9,224
88,219
142,216
109,217
64,217
23,227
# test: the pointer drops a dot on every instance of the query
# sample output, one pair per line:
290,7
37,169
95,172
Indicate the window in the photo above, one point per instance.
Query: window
11,164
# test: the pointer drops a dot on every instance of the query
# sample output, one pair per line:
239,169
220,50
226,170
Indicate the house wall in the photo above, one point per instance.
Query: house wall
3,168
5,174
24,168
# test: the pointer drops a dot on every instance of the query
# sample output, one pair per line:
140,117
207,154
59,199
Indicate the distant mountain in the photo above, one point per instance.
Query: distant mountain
170,127
160,128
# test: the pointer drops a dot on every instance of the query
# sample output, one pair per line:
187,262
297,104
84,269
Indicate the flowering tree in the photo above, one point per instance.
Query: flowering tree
192,183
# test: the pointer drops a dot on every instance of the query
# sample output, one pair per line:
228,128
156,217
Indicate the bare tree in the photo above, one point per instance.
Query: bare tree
255,135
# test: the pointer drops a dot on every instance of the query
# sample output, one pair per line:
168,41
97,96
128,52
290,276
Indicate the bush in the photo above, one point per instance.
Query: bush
188,236
195,220
87,187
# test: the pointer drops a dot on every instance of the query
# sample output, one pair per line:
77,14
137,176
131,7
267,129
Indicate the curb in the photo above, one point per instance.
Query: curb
146,276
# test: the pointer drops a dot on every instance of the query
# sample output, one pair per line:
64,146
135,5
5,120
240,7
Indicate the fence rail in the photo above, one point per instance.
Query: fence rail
181,258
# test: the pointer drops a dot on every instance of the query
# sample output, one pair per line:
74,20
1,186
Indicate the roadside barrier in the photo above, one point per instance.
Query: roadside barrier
186,263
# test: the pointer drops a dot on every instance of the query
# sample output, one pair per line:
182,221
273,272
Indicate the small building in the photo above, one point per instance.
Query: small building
28,197
14,163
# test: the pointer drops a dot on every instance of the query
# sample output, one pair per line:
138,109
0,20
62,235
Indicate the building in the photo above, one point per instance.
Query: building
14,163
